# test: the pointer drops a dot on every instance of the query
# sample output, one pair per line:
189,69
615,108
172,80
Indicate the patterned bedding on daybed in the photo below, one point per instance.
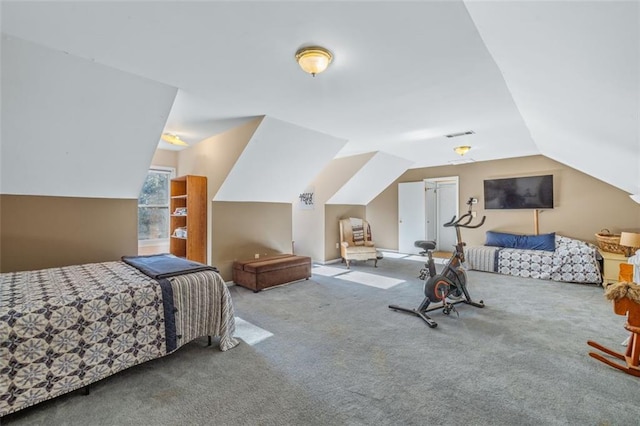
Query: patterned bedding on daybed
64,328
572,261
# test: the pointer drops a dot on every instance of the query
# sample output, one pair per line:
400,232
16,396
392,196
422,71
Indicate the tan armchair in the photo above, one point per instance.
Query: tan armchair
355,241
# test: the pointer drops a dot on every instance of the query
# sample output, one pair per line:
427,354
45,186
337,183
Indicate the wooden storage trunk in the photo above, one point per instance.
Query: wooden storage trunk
257,274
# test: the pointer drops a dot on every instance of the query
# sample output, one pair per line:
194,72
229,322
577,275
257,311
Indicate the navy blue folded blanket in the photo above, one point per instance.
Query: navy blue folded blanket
160,266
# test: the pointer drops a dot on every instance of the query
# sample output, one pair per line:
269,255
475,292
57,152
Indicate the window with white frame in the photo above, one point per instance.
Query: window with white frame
153,205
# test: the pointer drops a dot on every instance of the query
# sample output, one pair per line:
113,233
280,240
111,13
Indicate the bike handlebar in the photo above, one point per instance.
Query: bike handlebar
468,217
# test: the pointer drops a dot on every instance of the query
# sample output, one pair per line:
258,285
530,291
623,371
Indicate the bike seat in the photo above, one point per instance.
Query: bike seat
425,245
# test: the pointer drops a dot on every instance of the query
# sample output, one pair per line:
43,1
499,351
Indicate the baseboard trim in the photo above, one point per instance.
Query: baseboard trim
329,262
339,260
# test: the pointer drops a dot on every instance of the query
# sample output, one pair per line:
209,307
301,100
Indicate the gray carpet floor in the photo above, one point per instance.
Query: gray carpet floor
340,356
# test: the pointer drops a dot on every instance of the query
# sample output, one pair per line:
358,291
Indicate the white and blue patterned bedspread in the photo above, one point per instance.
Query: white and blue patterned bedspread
572,261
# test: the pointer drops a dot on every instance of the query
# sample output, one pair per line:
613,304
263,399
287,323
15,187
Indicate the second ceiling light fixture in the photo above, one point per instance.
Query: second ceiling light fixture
313,59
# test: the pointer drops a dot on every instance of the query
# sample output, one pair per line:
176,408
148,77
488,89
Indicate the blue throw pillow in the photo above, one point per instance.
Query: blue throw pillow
546,242
501,239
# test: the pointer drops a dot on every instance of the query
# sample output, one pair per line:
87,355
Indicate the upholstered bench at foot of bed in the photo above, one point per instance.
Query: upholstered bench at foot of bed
258,274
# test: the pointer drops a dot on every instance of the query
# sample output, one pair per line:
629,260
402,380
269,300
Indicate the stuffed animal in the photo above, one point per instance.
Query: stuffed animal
623,289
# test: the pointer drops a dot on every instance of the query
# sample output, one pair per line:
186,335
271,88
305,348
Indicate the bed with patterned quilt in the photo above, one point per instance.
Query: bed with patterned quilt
569,260
62,329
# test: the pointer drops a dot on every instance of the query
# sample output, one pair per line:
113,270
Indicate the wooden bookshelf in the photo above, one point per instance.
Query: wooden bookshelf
189,218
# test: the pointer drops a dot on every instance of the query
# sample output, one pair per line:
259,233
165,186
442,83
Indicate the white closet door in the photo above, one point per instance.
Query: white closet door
447,196
431,210
411,216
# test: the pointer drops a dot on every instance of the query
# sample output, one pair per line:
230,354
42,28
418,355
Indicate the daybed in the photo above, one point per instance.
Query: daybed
546,257
62,329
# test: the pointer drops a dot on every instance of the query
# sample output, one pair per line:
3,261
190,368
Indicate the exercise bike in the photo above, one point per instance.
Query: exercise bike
448,288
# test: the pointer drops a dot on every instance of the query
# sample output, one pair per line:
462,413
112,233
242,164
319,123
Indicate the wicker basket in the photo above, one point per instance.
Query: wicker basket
610,242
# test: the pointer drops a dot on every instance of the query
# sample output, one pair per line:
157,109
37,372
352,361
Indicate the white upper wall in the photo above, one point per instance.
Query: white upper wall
72,127
278,163
573,70
558,78
377,174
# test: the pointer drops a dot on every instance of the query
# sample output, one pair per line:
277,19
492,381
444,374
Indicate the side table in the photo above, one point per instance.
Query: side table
612,263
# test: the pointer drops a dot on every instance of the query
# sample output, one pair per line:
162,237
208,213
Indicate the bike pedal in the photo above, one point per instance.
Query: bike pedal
453,308
450,307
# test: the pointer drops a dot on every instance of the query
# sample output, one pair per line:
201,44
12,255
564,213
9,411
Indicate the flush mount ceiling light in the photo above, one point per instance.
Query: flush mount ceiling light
173,139
313,59
462,150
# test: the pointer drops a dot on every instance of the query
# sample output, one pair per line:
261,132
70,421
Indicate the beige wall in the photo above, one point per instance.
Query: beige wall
333,213
382,215
42,232
214,158
39,232
165,158
241,230
309,226
583,205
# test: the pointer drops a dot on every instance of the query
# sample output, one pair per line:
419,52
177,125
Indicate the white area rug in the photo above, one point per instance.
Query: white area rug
423,259
327,271
393,255
371,280
249,333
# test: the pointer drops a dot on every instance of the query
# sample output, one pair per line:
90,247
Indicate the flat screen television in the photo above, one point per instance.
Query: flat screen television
531,192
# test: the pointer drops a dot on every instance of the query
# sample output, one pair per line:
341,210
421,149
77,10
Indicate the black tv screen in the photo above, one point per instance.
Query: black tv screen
531,192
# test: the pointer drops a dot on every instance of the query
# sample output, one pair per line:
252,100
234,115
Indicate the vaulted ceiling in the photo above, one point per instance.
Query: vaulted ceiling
552,78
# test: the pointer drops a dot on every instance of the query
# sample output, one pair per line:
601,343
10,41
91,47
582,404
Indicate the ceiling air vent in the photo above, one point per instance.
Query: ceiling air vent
455,135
